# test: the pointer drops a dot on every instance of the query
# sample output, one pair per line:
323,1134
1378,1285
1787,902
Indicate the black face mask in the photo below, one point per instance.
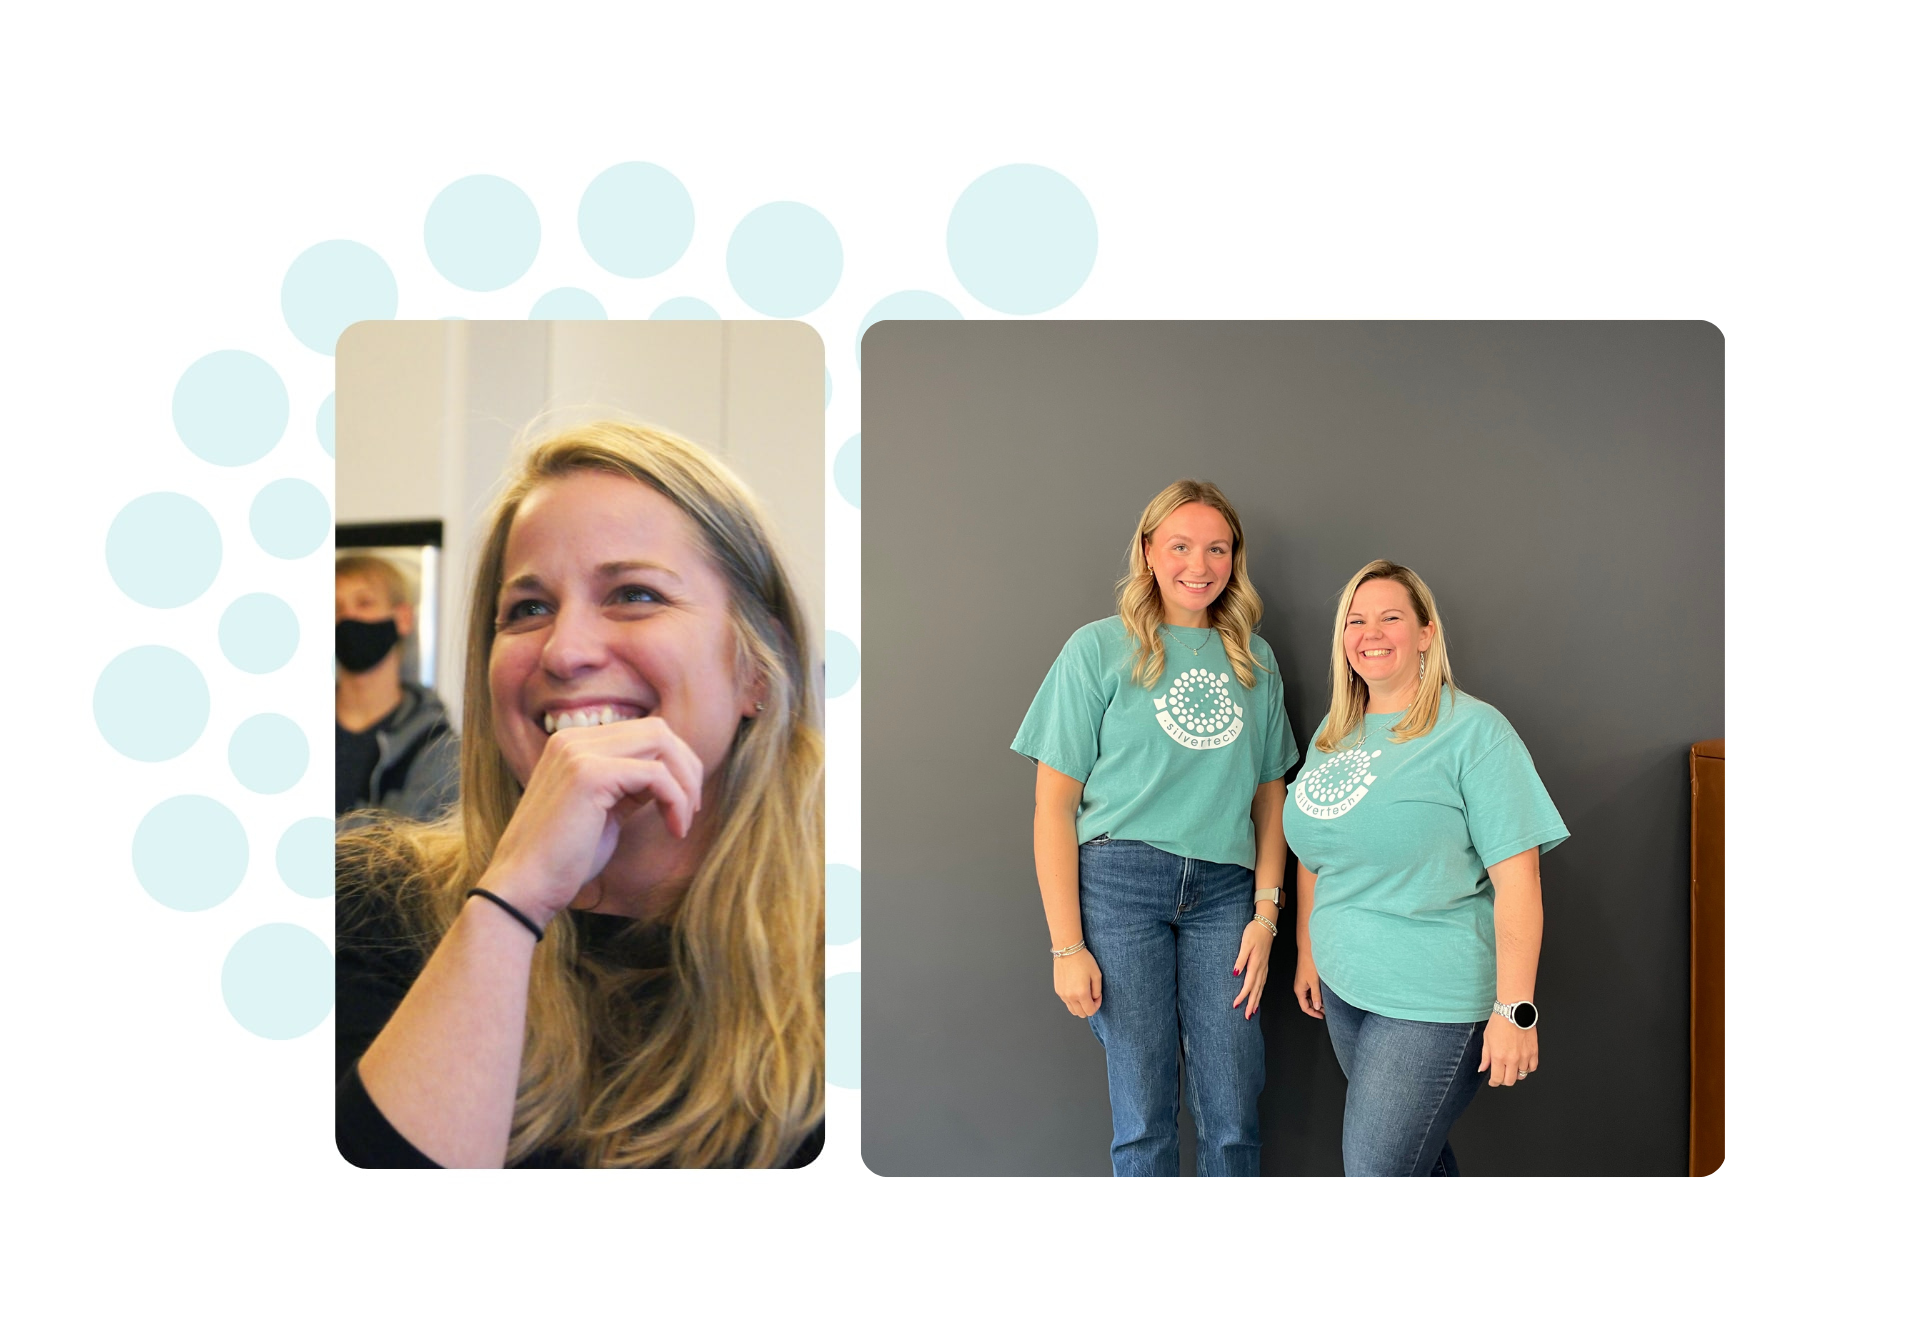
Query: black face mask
359,646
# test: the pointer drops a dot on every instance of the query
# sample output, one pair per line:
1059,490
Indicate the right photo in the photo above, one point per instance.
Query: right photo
1287,745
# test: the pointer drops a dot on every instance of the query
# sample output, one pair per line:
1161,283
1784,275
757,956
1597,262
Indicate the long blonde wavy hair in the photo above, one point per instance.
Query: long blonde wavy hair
1234,614
1348,708
719,1060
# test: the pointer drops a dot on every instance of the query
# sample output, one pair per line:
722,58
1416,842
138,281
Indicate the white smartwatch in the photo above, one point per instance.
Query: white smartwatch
1274,894
1523,1014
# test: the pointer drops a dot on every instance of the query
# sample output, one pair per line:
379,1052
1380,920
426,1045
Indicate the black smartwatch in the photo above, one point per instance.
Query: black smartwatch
1524,1015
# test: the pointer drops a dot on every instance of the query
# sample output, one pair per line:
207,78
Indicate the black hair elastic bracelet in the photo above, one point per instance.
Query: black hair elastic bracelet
532,927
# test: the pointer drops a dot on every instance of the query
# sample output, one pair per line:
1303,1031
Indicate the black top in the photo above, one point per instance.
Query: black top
355,754
376,962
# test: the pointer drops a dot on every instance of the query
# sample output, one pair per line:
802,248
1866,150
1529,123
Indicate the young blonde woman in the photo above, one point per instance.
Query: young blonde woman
1162,746
1419,822
610,953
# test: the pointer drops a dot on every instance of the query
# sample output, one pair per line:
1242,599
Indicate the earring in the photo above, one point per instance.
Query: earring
759,706
1423,664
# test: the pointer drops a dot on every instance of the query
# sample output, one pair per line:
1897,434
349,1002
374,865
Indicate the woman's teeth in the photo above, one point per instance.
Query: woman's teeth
569,720
1383,651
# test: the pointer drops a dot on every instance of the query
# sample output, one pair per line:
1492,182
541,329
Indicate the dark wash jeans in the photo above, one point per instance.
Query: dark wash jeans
1407,1084
1165,932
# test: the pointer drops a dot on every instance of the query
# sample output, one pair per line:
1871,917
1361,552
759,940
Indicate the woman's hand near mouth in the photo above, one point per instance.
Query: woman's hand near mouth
587,782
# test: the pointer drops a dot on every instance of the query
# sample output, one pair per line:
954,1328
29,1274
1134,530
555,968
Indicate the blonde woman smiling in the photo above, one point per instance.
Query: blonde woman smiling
1419,822
1162,746
610,953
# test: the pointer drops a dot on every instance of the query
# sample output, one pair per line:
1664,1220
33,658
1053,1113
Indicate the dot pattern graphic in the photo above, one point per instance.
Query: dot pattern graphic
190,852
230,408
482,233
259,633
278,981
567,302
290,519
636,219
1201,702
1020,239
333,286
846,471
163,550
784,260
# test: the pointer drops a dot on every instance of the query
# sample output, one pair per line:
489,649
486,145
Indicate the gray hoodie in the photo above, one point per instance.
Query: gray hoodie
418,774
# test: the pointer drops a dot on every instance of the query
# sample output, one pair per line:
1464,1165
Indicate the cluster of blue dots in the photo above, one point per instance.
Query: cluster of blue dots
1021,239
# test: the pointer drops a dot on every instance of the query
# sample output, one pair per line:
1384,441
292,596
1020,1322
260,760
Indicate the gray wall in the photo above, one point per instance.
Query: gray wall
1559,485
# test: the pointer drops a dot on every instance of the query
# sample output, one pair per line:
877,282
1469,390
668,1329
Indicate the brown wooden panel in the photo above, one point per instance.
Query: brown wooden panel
1707,1129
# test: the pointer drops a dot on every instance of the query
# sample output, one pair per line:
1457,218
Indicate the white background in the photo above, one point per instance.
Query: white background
1749,164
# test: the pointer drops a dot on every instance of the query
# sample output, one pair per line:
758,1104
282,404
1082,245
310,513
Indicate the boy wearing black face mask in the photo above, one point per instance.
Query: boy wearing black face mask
393,747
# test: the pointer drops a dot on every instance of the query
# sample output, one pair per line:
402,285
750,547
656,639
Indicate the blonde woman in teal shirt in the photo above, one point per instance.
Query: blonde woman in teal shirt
1162,746
1419,822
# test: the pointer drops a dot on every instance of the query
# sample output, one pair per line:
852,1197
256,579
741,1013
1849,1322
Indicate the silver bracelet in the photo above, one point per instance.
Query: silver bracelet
1081,945
1267,924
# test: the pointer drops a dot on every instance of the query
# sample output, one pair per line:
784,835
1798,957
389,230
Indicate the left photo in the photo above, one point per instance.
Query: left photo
579,861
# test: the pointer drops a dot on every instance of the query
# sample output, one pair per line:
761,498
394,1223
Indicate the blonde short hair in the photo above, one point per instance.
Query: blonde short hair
1347,708
379,571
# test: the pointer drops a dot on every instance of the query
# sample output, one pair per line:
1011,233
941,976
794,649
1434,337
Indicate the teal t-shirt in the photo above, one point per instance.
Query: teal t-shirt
1400,836
1174,765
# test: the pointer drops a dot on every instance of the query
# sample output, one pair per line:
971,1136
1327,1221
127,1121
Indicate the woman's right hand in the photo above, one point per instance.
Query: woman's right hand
1076,979
1306,985
586,783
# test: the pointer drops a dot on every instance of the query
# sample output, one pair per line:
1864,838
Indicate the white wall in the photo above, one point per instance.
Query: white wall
427,413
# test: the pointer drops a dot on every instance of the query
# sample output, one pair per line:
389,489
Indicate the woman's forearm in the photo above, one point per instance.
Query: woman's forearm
1303,908
1269,844
1056,861
1056,852
1518,921
446,1069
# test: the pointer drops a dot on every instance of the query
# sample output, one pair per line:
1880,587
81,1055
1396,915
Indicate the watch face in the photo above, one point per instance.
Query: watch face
1525,1014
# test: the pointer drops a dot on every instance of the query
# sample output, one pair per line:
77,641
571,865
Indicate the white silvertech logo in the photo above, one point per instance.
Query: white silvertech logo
1198,712
1336,785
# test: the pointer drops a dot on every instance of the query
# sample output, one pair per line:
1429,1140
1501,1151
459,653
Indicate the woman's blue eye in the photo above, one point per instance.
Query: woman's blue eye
521,608
639,595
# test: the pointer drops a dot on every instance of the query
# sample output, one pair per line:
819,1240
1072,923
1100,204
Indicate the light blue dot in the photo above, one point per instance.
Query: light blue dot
289,519
567,302
151,703
685,307
268,754
904,305
482,233
636,219
323,424
333,286
846,471
305,857
230,408
843,1030
843,904
843,663
829,400
163,550
278,981
259,632
1022,239
190,852
784,259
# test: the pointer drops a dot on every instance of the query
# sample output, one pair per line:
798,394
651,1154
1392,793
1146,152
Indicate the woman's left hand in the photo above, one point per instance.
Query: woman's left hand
1255,943
1510,1051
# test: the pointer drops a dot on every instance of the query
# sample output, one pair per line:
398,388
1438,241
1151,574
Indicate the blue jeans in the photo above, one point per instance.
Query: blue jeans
1407,1084
1165,932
